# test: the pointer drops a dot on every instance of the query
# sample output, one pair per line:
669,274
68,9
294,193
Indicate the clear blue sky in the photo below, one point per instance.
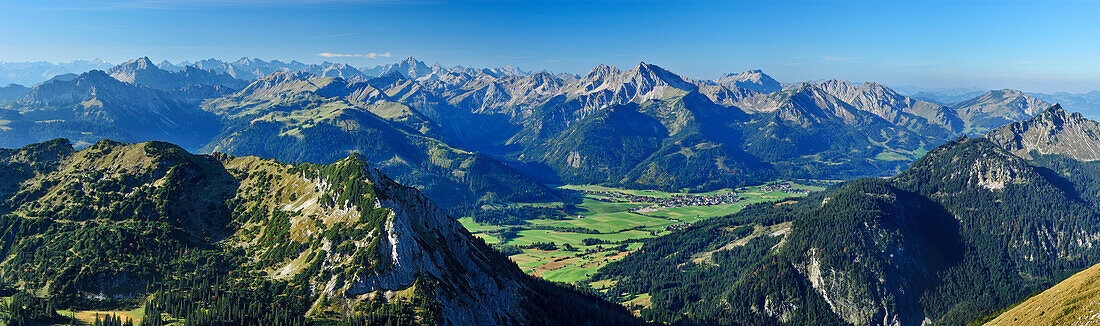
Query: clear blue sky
1035,46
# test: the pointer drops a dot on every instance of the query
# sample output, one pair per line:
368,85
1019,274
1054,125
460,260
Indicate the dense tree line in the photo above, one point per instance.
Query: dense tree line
24,309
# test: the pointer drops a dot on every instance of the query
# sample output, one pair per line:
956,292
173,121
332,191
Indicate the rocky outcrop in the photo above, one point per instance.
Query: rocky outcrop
1054,131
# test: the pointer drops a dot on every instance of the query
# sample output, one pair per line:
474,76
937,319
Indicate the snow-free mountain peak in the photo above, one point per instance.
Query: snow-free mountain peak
609,85
890,105
1053,131
410,67
753,79
130,70
996,108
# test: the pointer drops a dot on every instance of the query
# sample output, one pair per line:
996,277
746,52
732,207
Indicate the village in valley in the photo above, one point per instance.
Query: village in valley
686,200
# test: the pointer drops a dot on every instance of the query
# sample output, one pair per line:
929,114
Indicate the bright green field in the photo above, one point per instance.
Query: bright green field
615,224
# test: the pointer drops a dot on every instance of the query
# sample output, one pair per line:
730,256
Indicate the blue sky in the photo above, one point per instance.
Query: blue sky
1034,46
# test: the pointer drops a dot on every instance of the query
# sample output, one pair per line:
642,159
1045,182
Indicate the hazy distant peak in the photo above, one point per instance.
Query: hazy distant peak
997,108
248,61
289,75
94,74
144,61
168,65
135,64
800,87
753,79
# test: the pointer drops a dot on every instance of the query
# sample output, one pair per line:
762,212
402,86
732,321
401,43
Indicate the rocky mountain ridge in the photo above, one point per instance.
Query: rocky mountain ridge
1054,131
519,118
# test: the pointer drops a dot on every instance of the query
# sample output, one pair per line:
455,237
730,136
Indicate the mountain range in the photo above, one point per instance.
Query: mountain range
469,137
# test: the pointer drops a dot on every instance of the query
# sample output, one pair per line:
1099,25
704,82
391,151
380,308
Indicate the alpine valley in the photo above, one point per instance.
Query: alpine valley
260,192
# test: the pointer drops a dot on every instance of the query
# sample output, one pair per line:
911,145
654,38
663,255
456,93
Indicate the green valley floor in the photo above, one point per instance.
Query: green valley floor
609,223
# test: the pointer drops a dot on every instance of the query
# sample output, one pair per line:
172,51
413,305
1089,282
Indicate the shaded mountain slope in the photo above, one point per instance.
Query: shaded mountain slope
12,92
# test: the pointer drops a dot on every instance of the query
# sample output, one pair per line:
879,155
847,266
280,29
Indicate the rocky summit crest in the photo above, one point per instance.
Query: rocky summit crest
1053,131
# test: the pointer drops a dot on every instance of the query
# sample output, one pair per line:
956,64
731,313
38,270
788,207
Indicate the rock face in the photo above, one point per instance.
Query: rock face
732,96
808,105
1051,132
421,240
344,232
248,68
512,96
410,68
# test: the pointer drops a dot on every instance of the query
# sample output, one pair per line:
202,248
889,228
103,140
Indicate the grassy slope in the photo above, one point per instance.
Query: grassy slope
1073,301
